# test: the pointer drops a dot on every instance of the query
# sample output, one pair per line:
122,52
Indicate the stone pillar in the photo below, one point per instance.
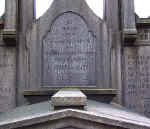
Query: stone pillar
8,58
10,14
128,20
112,17
111,14
26,16
9,32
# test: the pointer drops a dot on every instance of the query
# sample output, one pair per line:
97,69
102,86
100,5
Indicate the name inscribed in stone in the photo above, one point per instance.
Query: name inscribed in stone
7,78
69,53
137,80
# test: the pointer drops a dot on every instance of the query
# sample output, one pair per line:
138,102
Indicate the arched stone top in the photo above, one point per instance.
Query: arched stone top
69,25
58,7
69,52
96,6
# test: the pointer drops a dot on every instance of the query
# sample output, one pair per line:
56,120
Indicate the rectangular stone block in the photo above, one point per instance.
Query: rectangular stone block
7,78
69,97
136,78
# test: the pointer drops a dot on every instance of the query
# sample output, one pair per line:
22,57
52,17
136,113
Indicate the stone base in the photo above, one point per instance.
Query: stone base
69,98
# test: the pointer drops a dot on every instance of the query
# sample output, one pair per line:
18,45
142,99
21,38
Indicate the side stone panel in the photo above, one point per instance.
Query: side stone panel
7,78
136,78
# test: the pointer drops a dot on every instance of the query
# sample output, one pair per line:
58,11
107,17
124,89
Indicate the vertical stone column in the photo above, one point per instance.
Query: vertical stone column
26,16
8,58
111,14
112,17
10,14
9,32
128,20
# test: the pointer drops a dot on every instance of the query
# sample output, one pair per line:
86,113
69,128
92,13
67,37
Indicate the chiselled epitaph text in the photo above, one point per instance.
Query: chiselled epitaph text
137,79
69,52
7,78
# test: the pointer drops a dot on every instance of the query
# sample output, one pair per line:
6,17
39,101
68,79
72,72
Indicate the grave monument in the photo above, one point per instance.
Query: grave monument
70,69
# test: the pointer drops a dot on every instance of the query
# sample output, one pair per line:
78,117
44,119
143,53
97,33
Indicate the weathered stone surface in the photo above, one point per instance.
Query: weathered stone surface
70,128
72,124
99,115
69,53
69,97
71,47
7,78
10,14
111,11
128,15
144,36
68,47
26,11
137,79
128,21
9,37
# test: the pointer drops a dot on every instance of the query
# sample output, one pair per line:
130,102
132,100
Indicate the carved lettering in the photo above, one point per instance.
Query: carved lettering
69,52
7,78
137,81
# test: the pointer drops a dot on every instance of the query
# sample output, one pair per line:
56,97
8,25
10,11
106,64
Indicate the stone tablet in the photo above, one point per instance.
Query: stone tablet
7,78
69,53
137,79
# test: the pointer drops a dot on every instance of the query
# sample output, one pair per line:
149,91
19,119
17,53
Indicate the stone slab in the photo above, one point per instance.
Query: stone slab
69,52
7,78
136,86
68,47
69,97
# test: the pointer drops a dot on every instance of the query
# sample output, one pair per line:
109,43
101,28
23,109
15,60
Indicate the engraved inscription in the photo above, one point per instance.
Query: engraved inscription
137,80
7,78
69,52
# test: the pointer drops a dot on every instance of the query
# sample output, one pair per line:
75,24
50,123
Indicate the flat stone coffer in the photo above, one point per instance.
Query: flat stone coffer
69,98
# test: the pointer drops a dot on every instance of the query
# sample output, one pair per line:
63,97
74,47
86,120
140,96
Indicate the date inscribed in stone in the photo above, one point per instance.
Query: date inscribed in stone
69,53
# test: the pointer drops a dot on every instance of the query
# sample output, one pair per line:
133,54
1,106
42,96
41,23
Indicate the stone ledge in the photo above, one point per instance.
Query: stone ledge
9,37
45,92
129,36
143,23
101,95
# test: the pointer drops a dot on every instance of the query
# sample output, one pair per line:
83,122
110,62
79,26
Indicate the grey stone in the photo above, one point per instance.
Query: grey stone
10,14
73,124
128,15
111,11
69,53
102,62
9,37
70,128
128,21
26,11
136,79
98,116
7,78
87,65
69,98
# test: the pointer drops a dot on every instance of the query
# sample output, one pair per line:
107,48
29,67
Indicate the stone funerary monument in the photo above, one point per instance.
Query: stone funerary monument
78,61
